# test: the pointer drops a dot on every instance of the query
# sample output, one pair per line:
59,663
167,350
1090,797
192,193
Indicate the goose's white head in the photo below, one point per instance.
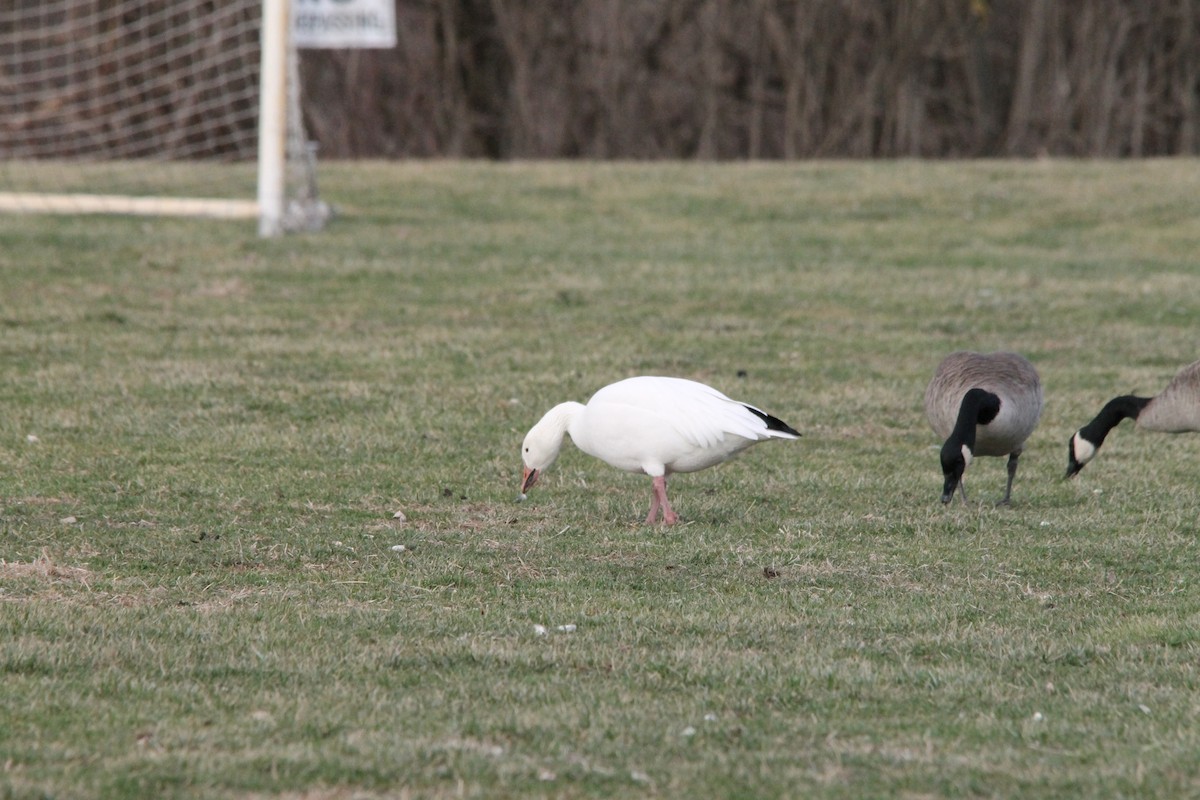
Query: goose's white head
538,451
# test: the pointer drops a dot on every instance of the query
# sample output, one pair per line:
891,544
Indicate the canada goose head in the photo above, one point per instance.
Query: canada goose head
1086,441
1079,452
956,457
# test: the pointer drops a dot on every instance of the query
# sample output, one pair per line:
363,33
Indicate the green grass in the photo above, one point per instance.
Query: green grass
204,438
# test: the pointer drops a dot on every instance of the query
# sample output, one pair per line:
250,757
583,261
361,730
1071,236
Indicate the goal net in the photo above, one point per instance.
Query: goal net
154,107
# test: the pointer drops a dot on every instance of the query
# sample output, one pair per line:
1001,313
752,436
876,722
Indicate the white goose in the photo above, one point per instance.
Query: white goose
654,425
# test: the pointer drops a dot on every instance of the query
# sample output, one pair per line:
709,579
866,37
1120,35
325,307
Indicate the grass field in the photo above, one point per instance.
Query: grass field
205,438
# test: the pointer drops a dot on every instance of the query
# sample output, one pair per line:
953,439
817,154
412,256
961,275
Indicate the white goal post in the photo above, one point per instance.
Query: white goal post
184,107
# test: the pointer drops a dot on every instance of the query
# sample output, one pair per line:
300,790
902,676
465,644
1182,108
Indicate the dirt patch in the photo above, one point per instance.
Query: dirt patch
44,567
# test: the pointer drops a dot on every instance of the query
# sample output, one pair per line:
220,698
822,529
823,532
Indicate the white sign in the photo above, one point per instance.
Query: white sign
344,23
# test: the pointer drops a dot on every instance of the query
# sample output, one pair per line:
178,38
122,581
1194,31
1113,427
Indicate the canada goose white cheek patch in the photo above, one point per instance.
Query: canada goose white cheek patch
967,456
1082,448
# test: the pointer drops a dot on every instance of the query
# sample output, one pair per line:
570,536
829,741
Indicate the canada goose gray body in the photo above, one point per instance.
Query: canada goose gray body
1176,409
982,404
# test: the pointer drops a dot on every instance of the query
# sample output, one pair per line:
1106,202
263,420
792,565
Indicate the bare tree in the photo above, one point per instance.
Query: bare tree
761,79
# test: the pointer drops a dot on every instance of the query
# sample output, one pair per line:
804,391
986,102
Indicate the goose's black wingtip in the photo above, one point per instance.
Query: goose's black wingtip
773,423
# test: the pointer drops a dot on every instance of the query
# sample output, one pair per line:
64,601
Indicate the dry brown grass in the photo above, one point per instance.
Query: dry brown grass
45,568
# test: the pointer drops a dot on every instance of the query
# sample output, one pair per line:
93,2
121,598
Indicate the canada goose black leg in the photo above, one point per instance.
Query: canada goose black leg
1012,473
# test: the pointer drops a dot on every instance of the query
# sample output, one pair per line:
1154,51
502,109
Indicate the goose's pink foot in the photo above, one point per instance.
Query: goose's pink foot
658,501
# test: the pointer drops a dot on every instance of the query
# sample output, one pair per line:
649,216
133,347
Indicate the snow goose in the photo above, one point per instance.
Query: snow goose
982,404
654,425
1176,409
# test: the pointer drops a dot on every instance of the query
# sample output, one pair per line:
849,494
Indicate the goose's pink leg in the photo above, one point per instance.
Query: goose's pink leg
659,500
653,508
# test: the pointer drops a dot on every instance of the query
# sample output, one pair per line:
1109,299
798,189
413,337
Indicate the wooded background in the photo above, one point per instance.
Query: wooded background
766,79
628,79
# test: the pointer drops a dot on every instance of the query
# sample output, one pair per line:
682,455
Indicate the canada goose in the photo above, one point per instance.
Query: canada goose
653,425
983,404
1176,409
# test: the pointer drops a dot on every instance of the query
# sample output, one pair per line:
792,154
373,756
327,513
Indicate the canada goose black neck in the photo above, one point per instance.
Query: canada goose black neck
1111,415
1083,445
979,407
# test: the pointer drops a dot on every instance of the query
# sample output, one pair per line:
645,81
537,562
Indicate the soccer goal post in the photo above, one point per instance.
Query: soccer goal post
155,107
